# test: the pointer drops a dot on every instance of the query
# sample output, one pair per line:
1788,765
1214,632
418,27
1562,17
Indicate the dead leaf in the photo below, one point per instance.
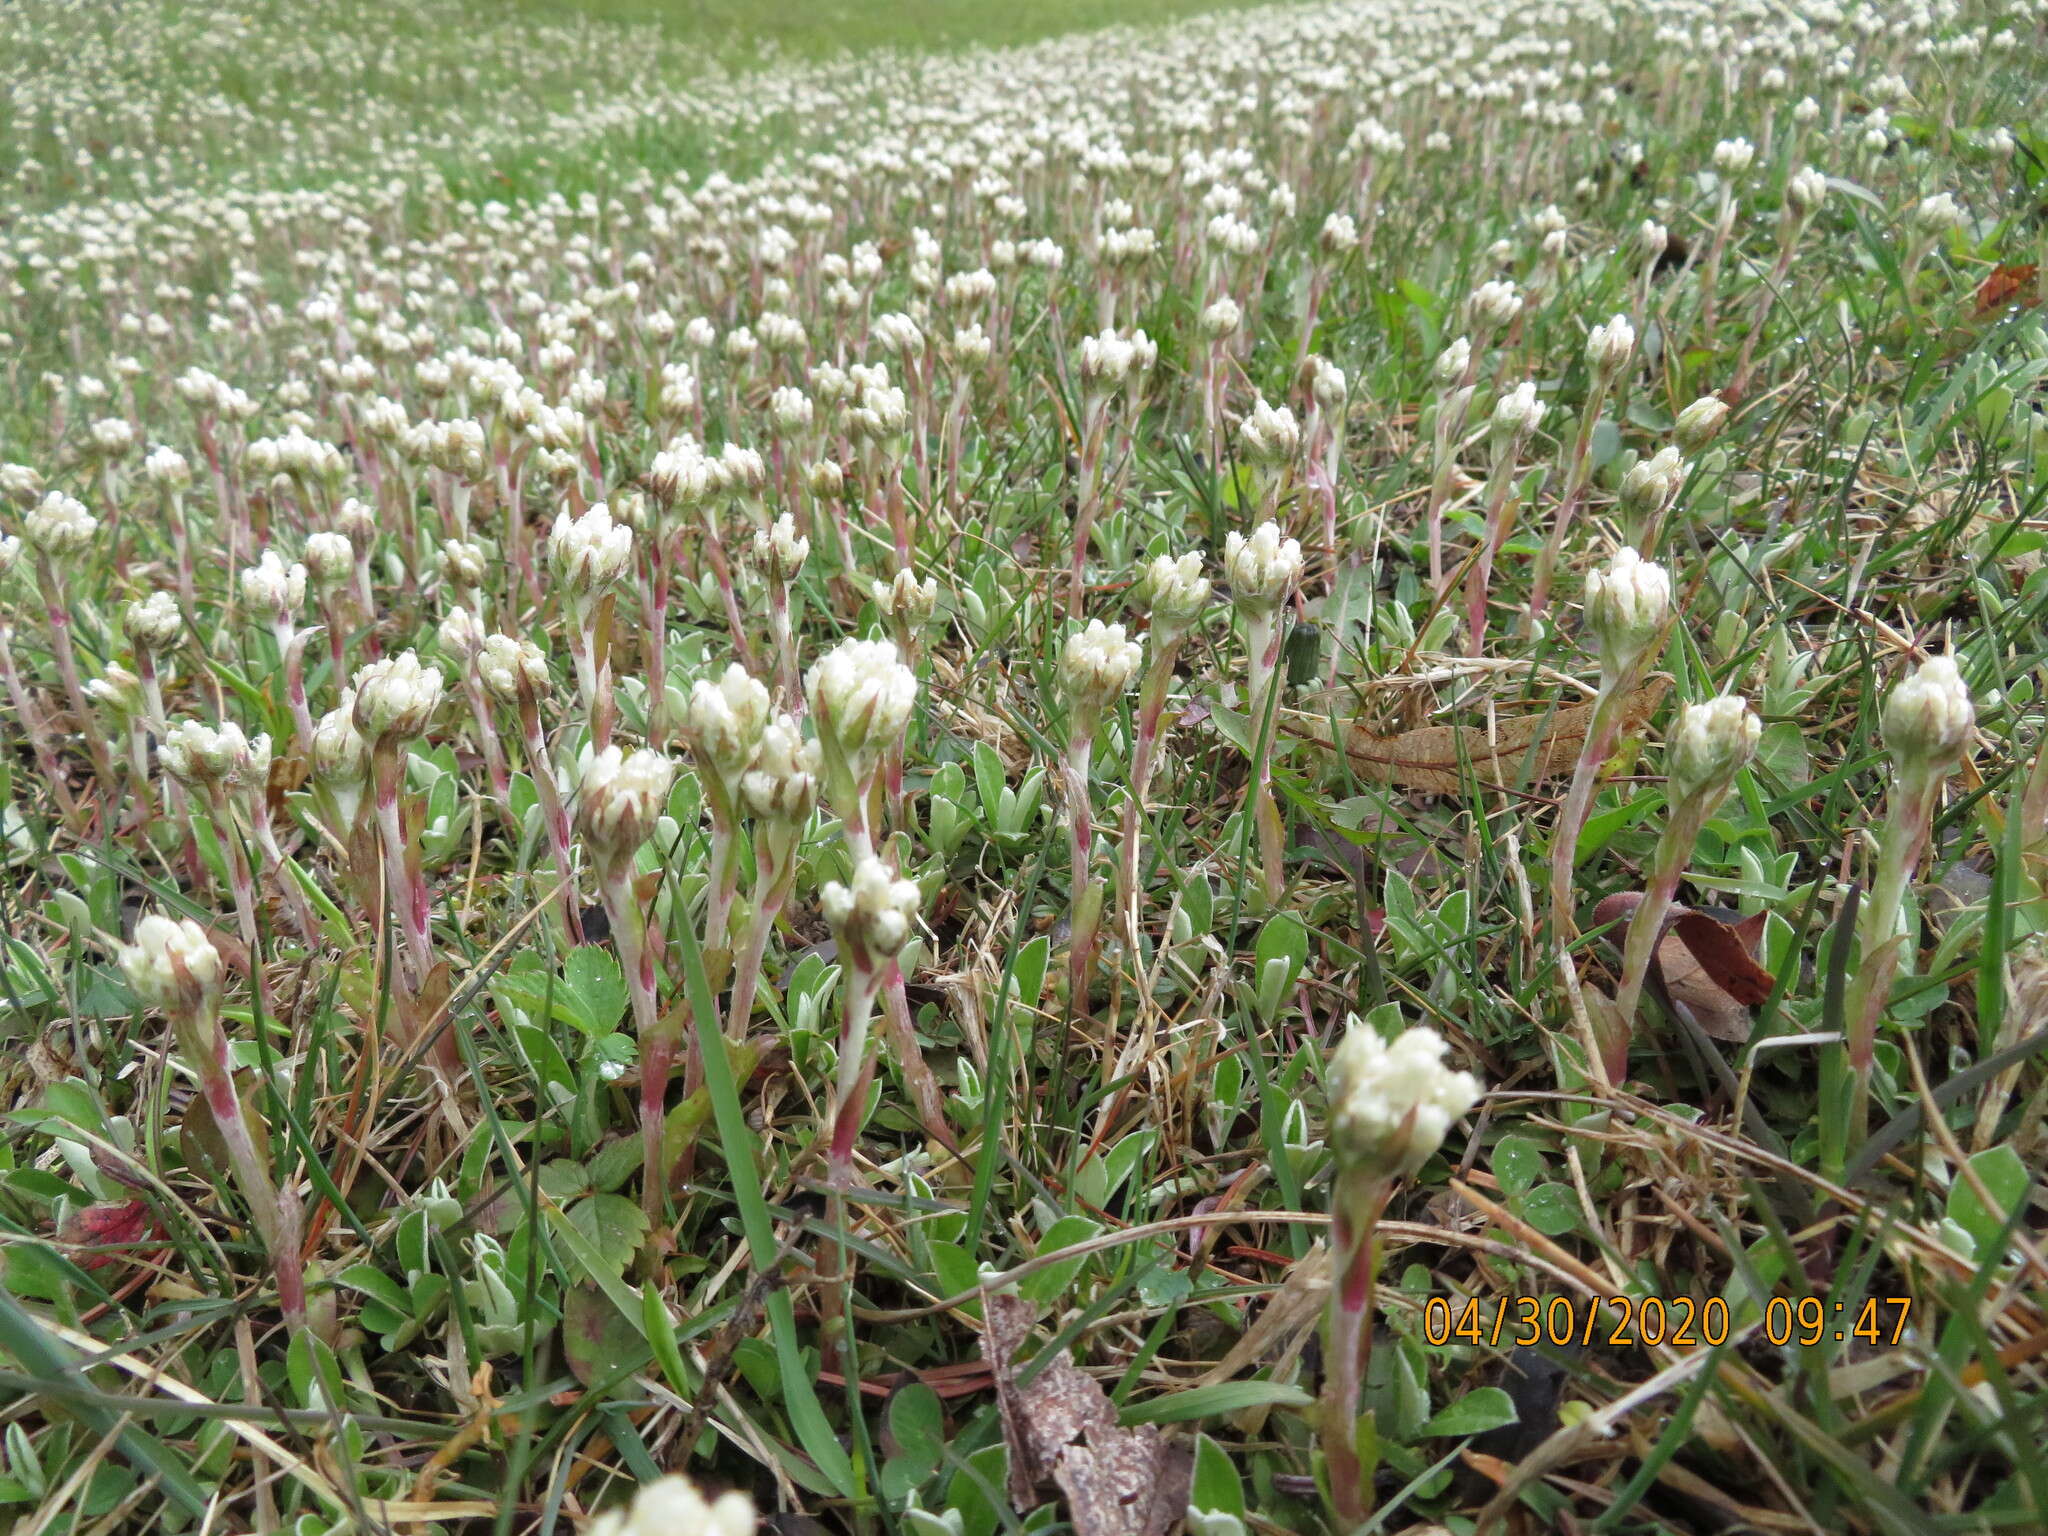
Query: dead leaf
1061,1428
2008,285
1433,759
125,1222
1707,964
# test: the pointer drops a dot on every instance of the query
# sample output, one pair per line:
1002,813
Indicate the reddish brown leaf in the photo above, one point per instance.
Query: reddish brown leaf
125,1222
1727,953
2008,285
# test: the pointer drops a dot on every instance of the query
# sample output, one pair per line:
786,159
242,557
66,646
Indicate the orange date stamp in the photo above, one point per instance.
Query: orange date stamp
1621,1322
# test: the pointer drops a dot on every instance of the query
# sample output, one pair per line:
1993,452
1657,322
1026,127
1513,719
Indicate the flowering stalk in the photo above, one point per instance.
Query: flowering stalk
1609,348
1453,372
1095,669
209,761
1176,591
723,726
1805,191
1262,571
1713,742
589,554
1731,158
395,699
60,531
172,965
618,804
1627,607
33,725
1928,720
1390,1107
780,791
780,552
515,672
1515,415
871,922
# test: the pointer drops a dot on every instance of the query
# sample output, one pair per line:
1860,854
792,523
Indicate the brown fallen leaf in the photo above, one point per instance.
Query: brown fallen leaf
1544,743
1061,1429
2008,285
1707,964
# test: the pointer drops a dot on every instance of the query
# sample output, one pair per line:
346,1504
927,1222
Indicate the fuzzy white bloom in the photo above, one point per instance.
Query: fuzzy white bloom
1733,156
504,664
273,586
339,753
782,784
1939,214
724,721
1493,305
861,697
1105,362
791,409
780,550
1699,424
153,623
1928,718
672,1506
872,917
329,558
1098,663
1269,435
1452,362
172,964
1627,605
461,635
1652,239
1610,346
1709,746
118,689
1516,413
1328,386
1174,591
112,437
1262,569
396,697
620,798
59,529
1649,484
1391,1105
590,552
1805,191
193,752
1220,319
166,469
10,554
907,600
460,563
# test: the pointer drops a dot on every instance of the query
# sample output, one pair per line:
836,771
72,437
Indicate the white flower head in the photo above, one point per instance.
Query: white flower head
1928,718
621,797
274,587
505,665
907,600
1649,484
195,753
724,721
1175,592
396,697
861,698
872,917
1096,665
672,1506
1627,605
1610,346
60,529
172,964
153,623
1262,569
339,754
1699,424
1517,413
329,558
590,552
1269,435
780,550
1390,1105
782,784
1709,746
